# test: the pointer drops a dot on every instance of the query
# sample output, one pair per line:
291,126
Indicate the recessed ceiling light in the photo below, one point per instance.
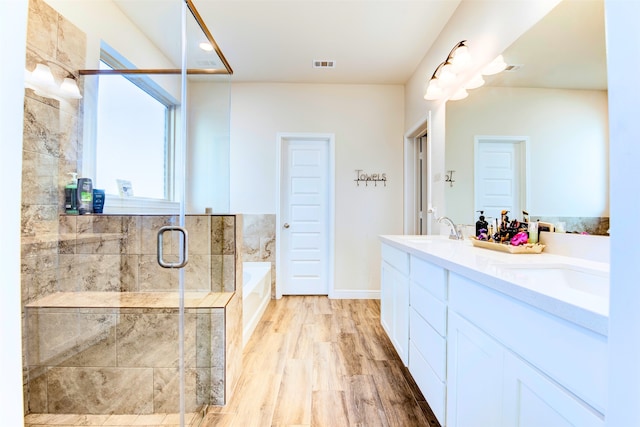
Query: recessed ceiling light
206,46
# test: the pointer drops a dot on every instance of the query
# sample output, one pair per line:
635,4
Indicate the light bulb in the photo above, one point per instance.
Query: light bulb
206,46
459,94
447,77
70,89
496,66
475,82
434,91
42,77
461,59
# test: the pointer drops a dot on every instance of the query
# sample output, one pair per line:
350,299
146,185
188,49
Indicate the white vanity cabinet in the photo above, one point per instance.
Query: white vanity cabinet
427,331
394,299
511,365
488,352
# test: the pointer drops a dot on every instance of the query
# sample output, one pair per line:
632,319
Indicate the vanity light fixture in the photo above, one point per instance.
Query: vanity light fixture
43,83
446,78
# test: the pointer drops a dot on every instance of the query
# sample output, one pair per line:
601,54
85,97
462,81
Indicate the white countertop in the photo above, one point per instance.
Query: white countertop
587,309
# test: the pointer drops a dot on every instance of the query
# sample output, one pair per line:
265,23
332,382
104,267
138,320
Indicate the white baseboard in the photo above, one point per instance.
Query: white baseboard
354,294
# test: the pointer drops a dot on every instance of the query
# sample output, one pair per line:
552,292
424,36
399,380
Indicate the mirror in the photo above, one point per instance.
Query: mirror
553,96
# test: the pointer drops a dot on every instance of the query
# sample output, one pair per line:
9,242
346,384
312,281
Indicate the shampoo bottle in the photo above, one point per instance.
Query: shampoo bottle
71,195
98,201
85,196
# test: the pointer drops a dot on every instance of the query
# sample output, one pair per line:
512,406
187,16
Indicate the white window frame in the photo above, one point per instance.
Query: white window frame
114,203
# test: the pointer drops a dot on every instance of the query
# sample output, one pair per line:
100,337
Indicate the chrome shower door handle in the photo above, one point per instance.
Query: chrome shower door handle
184,253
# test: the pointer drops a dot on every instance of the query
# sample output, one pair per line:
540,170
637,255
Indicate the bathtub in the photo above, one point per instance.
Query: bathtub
256,293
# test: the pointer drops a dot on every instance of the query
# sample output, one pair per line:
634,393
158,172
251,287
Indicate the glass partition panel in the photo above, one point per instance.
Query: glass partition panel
121,311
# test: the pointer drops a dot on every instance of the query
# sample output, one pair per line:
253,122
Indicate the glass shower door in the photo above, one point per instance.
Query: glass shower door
113,323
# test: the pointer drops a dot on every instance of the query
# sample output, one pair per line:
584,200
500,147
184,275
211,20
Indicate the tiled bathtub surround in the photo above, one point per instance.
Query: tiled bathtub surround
259,241
590,225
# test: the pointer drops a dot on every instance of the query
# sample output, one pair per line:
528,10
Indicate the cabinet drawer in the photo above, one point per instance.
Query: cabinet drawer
428,342
430,277
396,258
429,307
433,389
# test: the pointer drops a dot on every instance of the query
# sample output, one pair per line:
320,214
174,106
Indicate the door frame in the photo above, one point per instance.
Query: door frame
523,144
410,185
329,138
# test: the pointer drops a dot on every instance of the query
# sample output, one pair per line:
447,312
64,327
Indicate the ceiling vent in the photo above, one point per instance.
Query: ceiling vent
512,68
324,63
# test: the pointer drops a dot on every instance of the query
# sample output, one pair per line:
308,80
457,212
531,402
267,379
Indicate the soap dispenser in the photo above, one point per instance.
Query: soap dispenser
481,224
71,195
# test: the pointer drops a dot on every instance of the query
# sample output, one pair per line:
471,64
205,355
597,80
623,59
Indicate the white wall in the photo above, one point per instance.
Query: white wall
569,147
13,27
623,63
367,123
208,148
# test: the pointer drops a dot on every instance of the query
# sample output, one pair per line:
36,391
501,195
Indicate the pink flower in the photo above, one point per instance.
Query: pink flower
520,239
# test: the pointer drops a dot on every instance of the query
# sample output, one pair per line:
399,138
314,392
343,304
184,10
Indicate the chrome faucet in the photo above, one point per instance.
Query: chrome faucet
456,232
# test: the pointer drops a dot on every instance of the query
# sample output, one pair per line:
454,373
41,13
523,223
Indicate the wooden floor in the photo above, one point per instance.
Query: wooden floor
318,362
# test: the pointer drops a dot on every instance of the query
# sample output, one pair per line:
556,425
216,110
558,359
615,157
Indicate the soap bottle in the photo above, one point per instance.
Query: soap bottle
481,224
98,201
85,196
71,195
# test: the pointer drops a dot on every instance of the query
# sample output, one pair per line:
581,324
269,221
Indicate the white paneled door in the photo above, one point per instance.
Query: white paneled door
304,216
500,176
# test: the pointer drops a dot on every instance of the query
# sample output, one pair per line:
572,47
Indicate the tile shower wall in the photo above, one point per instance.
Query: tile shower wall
52,137
127,245
259,241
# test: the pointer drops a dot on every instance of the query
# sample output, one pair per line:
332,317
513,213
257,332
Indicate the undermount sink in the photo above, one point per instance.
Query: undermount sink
585,280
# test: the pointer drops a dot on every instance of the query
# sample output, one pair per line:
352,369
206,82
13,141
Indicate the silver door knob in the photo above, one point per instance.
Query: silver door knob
286,225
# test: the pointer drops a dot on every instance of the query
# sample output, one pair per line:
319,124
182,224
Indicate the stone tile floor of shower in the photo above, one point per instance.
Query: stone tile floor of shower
67,420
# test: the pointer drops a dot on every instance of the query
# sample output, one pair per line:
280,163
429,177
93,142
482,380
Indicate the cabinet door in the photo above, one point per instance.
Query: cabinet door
401,318
474,376
394,309
532,400
386,298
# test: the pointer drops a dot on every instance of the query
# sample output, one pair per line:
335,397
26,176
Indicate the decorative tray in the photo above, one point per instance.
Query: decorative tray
528,248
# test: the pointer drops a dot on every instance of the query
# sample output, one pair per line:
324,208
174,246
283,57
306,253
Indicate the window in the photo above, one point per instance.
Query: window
133,134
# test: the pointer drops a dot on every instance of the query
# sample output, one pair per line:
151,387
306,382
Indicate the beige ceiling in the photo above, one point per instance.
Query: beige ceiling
373,41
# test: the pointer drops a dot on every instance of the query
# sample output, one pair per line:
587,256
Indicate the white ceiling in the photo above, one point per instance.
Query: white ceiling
375,41
566,49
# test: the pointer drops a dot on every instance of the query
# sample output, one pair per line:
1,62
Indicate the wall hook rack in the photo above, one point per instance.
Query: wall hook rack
449,177
367,178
